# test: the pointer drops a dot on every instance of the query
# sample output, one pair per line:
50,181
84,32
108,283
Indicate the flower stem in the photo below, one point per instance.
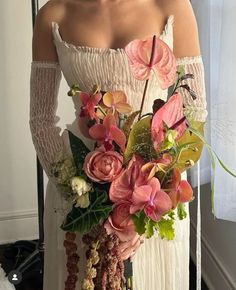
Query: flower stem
143,99
146,83
101,110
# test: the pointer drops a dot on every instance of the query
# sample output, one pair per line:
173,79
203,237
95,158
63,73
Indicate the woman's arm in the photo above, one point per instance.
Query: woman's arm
44,85
188,54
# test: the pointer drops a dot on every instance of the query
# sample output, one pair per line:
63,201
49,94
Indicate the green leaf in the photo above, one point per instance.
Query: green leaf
139,222
82,220
181,211
213,155
129,122
79,151
140,141
194,150
165,229
149,228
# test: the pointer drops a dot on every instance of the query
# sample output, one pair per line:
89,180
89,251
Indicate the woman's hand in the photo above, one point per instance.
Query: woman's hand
129,248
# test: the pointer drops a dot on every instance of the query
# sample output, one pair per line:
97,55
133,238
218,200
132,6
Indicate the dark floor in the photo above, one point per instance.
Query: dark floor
11,257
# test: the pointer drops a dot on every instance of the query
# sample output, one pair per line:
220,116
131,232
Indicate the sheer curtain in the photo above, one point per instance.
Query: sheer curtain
217,22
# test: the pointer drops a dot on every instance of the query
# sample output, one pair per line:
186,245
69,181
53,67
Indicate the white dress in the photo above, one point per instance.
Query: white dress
158,264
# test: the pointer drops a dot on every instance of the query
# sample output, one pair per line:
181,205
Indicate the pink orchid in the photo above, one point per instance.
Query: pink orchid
152,54
151,199
107,132
122,187
170,115
117,101
179,190
154,166
88,104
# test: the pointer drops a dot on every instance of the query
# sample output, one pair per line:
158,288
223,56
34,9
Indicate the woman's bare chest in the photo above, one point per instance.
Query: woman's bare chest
111,28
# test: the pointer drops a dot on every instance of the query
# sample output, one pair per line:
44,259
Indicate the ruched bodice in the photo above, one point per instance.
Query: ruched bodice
109,68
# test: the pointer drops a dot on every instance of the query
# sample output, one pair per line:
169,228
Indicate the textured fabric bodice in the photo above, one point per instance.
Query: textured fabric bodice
109,68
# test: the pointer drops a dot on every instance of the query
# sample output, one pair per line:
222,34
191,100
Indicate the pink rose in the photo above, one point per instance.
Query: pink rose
119,222
122,187
103,166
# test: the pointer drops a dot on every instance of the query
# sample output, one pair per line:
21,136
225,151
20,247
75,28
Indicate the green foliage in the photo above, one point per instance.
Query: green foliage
181,211
140,141
150,228
79,151
192,152
165,229
84,219
139,222
129,122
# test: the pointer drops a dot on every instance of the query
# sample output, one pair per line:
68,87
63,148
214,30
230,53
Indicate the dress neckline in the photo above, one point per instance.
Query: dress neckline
58,37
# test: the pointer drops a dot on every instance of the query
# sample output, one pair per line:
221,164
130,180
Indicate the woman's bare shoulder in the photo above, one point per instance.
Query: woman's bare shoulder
186,40
42,44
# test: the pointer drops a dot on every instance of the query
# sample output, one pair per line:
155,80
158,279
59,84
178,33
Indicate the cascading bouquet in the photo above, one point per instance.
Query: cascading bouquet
130,185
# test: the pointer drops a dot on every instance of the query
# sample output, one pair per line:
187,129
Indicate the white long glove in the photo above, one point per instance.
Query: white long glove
44,85
194,109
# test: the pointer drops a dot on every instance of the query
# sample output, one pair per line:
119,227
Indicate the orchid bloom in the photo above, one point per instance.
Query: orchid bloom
152,54
154,166
170,115
122,187
89,102
179,190
151,199
117,101
107,132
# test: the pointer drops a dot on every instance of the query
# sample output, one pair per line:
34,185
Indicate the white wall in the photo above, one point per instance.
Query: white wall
18,195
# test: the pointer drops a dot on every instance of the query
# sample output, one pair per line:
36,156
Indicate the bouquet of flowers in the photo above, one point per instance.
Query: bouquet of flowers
130,185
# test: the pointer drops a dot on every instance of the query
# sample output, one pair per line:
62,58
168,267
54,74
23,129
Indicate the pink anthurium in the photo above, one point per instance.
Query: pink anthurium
151,199
169,115
117,101
107,132
152,54
178,190
88,104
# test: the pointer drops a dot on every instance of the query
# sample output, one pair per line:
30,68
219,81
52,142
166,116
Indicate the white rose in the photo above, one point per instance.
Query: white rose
83,201
80,186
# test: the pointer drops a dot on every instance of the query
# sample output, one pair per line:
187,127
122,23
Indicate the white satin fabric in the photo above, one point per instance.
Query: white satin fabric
158,264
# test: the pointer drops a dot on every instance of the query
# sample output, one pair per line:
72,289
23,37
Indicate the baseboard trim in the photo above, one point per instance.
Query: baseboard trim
19,214
216,266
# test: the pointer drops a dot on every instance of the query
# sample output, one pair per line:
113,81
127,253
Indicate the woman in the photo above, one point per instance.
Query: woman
85,39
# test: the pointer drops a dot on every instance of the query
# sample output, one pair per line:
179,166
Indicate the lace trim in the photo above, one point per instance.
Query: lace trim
189,60
58,38
45,64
